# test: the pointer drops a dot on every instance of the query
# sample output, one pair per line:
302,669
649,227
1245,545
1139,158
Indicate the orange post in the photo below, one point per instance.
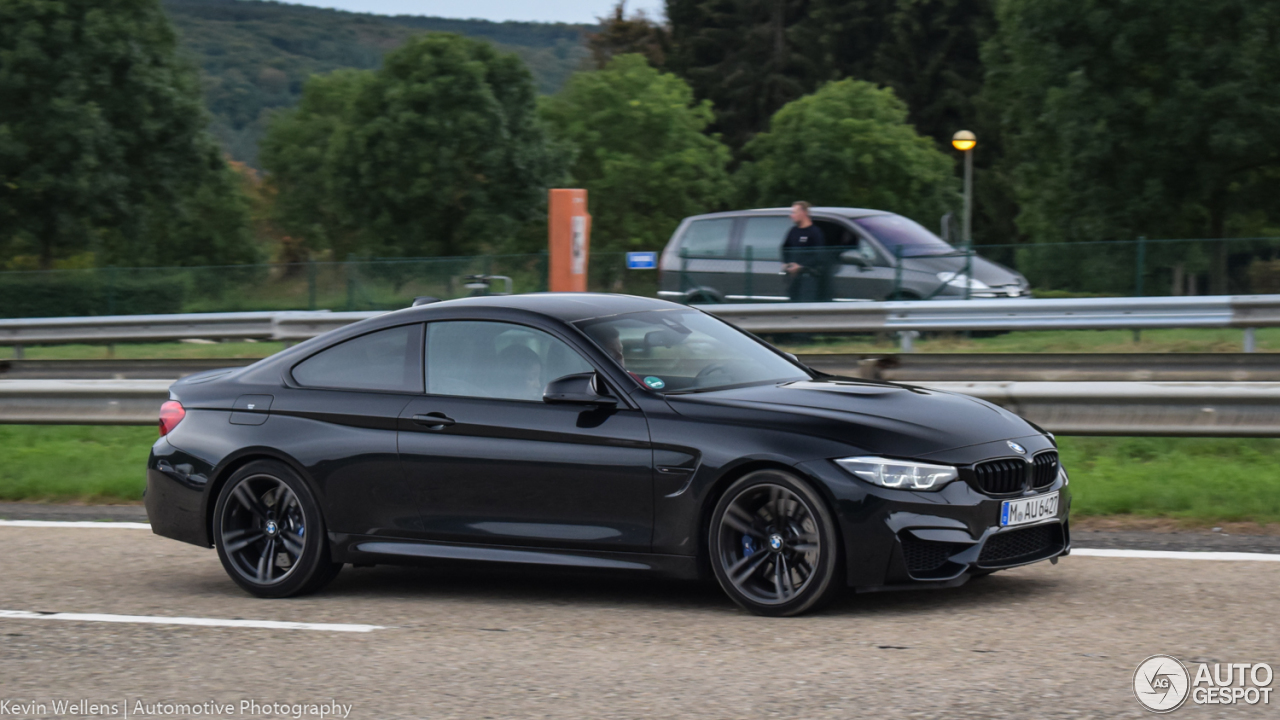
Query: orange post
569,239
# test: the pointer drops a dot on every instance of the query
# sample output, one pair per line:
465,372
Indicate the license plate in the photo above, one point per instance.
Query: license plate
1028,510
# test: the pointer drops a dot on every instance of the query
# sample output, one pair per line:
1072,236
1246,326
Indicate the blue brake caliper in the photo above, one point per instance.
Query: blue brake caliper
748,546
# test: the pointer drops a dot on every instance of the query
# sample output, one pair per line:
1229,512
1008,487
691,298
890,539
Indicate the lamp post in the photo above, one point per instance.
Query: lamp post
965,141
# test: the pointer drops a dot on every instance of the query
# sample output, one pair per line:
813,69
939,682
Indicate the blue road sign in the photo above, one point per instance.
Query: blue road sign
642,260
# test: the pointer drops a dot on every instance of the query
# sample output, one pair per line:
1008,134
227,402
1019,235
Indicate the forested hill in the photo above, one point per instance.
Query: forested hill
255,56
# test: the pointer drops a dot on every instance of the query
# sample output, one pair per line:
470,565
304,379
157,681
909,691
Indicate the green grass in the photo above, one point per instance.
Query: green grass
1197,479
1052,341
77,463
1194,479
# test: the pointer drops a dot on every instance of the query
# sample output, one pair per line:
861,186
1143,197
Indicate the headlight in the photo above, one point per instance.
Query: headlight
959,279
900,474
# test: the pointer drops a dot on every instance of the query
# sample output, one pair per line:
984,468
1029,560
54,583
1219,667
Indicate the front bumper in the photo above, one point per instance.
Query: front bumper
901,538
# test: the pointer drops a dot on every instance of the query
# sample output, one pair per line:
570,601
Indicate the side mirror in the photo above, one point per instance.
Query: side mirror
580,389
853,257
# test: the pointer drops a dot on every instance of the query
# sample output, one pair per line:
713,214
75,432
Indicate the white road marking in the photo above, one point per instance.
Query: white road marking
107,525
1082,552
201,622
1175,555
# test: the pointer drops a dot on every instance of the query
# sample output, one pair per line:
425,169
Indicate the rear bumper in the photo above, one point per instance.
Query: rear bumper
175,497
899,538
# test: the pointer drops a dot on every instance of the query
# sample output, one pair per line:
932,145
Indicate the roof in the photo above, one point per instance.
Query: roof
566,306
823,210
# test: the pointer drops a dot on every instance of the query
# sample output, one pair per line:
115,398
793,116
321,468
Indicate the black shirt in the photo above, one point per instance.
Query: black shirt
804,246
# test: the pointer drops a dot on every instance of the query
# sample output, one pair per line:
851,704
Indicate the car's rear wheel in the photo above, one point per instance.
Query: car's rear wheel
269,532
774,545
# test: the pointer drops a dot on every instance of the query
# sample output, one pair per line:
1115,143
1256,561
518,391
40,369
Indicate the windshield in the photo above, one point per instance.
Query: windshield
895,231
686,351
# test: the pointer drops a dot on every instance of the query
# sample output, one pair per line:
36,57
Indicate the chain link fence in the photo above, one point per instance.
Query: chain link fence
1114,268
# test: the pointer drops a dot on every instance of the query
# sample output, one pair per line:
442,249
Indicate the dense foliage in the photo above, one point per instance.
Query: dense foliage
256,56
436,153
642,153
1124,121
849,144
103,151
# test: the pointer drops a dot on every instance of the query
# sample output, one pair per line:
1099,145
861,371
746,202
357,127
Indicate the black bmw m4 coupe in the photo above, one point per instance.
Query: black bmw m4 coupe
596,431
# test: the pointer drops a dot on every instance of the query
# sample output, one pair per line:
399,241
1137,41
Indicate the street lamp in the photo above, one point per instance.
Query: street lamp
965,141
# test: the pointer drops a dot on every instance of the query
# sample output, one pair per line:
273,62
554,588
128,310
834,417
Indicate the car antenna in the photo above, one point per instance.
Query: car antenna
424,300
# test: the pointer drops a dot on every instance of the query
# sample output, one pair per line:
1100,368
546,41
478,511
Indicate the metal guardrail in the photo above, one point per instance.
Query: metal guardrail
911,368
1068,408
1224,311
82,402
1220,311
1135,409
1051,367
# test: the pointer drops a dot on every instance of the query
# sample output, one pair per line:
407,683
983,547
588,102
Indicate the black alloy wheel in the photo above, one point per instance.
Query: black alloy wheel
269,533
774,545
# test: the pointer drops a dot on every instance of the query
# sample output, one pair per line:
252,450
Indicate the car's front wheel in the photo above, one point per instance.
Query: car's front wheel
774,545
269,532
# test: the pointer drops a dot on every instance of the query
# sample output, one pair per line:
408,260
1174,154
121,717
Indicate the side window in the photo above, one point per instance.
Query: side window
386,360
496,360
765,235
707,238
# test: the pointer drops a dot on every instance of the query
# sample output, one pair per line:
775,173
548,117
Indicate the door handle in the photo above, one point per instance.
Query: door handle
433,421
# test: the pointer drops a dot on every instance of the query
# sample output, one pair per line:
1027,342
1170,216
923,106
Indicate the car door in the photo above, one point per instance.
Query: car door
860,270
705,260
339,412
489,462
761,250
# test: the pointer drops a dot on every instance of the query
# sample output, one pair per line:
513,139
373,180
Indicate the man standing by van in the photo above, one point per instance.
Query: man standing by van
804,256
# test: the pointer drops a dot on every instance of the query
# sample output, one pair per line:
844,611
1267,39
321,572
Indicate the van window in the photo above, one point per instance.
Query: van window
765,235
707,238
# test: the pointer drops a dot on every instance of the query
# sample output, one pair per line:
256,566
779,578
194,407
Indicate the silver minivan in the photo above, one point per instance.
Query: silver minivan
871,255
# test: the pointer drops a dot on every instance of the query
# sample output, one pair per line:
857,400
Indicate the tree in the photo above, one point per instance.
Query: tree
439,152
621,34
928,51
103,146
1130,118
299,152
742,55
643,155
849,144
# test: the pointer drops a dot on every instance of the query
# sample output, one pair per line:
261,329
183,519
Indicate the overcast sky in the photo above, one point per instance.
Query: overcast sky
574,11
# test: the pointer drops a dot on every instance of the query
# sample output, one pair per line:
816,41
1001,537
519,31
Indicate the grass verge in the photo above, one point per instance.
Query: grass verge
77,463
1196,480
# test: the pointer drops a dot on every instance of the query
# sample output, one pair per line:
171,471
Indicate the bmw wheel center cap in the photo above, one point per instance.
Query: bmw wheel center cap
775,541
272,528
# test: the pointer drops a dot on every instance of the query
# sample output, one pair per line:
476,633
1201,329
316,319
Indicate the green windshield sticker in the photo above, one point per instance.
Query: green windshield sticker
654,382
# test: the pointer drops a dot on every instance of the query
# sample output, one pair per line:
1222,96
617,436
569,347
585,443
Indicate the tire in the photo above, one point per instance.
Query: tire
774,546
270,534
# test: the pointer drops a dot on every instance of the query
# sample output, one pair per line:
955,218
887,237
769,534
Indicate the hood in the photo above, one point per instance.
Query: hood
880,418
993,274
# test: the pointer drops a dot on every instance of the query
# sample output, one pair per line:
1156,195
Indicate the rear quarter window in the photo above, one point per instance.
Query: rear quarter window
386,361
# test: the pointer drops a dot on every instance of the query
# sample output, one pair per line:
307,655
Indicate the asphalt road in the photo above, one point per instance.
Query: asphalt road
1041,642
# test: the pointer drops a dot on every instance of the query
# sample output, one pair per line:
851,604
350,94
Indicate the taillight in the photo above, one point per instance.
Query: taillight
171,413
